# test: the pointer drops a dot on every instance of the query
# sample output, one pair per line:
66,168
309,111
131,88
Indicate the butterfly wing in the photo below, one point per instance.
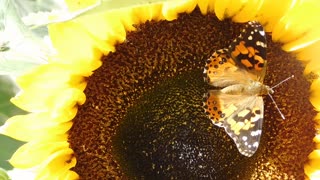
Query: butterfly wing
240,115
221,70
238,107
249,49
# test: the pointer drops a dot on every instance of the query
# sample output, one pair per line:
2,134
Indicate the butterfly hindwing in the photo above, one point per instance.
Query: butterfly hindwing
245,125
240,115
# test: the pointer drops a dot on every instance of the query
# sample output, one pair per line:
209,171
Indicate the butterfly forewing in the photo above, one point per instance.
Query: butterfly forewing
220,70
249,49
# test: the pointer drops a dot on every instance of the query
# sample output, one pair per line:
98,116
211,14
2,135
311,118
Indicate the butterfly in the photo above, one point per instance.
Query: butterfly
239,72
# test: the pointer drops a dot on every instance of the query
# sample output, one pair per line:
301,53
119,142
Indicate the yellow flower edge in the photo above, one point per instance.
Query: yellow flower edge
52,92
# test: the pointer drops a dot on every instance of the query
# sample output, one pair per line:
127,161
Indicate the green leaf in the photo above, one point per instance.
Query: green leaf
8,147
15,67
20,49
7,90
3,175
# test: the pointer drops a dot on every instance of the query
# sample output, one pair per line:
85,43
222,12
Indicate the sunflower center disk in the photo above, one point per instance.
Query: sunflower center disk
144,118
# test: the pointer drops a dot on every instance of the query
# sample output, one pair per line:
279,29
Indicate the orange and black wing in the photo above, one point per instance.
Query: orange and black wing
249,48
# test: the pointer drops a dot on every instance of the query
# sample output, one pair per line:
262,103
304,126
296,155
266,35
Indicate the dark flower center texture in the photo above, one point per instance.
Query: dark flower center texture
143,117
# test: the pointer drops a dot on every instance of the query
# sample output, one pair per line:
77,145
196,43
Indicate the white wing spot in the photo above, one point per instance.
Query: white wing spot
255,133
244,138
250,38
259,43
255,144
254,119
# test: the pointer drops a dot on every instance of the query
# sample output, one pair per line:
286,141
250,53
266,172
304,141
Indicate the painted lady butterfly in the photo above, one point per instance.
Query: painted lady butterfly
239,71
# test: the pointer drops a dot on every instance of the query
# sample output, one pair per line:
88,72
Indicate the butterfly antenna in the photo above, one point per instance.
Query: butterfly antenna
292,76
274,102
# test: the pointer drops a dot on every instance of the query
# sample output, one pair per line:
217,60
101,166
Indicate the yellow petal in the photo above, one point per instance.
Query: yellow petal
246,11
313,66
171,9
40,100
315,94
317,138
35,126
302,18
50,76
312,167
220,8
70,175
147,13
309,38
234,7
270,13
105,33
34,153
309,53
75,44
206,6
57,165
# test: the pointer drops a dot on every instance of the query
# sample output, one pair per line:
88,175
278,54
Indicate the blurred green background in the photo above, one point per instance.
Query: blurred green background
8,146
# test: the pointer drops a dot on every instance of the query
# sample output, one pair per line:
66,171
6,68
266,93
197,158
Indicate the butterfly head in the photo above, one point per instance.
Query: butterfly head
258,88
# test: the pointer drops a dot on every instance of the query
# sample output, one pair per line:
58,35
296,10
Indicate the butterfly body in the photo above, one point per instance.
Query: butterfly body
238,72
253,88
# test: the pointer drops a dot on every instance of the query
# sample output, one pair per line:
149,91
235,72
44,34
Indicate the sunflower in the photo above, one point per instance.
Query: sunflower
121,98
